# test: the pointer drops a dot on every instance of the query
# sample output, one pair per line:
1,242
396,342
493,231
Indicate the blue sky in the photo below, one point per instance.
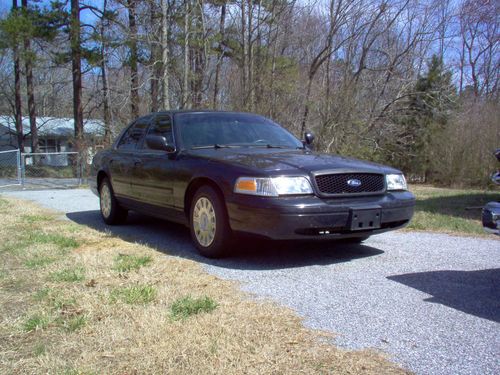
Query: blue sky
86,16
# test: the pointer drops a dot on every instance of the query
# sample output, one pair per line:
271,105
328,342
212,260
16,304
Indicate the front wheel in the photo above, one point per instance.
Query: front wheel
210,229
111,211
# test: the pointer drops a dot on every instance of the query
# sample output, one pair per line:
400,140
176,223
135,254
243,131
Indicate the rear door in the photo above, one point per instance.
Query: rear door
123,160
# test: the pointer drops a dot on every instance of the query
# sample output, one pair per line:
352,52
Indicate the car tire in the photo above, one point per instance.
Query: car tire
111,211
209,224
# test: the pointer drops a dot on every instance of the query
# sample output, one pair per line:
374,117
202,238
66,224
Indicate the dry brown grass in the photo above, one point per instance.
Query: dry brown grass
88,332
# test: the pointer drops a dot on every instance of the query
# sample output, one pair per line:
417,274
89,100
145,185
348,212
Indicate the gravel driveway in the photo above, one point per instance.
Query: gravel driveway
431,301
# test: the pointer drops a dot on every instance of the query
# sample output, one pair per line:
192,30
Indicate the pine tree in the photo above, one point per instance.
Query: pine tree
429,107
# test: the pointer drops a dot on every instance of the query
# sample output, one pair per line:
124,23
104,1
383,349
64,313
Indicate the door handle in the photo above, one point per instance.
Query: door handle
137,162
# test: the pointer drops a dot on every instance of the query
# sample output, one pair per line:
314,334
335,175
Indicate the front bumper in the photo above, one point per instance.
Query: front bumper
309,217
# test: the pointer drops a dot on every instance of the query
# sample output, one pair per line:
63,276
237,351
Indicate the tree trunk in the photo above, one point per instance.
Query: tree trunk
275,42
17,95
244,69
105,89
165,50
134,78
222,30
30,90
306,107
107,104
185,86
250,59
76,65
154,59
198,57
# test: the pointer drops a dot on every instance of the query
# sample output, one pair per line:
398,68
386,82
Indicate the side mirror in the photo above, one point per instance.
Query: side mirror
157,142
308,139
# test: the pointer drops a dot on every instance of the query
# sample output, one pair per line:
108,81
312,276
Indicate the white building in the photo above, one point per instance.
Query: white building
54,135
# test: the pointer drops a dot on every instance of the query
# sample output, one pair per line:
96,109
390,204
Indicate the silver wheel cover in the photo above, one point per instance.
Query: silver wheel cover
204,221
105,200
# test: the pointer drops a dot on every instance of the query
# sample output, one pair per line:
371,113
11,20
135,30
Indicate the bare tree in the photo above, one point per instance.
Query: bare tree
480,45
220,54
17,90
133,61
76,71
28,57
165,46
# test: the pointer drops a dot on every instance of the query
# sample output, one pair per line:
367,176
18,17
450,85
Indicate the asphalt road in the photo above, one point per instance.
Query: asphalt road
430,301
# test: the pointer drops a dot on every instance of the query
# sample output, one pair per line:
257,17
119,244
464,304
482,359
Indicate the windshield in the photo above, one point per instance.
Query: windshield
199,130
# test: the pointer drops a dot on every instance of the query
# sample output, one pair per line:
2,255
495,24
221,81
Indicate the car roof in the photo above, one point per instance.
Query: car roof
176,111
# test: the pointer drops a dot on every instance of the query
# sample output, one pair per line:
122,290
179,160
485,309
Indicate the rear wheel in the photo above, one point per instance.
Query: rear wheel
210,229
111,211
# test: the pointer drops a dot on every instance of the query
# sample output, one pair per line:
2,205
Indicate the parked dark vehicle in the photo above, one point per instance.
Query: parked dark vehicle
491,212
222,173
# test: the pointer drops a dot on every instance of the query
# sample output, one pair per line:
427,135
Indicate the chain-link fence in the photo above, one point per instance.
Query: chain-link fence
10,168
42,170
52,169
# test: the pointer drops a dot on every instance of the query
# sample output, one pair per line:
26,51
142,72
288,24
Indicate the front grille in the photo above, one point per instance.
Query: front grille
338,183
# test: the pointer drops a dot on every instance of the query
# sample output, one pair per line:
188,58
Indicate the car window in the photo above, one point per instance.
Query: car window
162,126
133,136
205,129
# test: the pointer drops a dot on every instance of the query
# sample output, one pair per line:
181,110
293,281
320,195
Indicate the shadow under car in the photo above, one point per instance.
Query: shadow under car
248,253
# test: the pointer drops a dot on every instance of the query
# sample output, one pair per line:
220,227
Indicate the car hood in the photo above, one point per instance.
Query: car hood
288,161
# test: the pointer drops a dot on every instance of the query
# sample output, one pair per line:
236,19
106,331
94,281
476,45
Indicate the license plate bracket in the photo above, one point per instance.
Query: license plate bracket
365,219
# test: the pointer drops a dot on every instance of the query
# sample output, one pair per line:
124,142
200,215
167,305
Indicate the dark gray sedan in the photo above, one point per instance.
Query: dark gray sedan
222,173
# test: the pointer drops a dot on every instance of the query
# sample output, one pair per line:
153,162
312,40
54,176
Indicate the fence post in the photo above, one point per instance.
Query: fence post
18,160
23,166
79,167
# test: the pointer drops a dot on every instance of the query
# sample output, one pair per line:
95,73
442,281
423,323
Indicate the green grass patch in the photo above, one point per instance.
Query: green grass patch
125,263
3,203
71,275
62,303
450,210
18,245
187,306
13,246
39,349
32,219
39,261
139,294
62,242
36,322
72,324
42,294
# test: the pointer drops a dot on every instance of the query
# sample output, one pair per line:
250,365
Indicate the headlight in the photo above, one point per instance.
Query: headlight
396,182
272,186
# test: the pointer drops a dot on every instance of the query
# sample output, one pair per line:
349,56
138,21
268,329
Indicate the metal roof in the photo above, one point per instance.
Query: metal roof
53,126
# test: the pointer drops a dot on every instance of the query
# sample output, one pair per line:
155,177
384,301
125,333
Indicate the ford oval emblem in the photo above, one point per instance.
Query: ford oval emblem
354,182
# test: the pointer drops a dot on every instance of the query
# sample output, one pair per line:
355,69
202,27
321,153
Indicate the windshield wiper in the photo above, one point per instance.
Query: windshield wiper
269,146
216,146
